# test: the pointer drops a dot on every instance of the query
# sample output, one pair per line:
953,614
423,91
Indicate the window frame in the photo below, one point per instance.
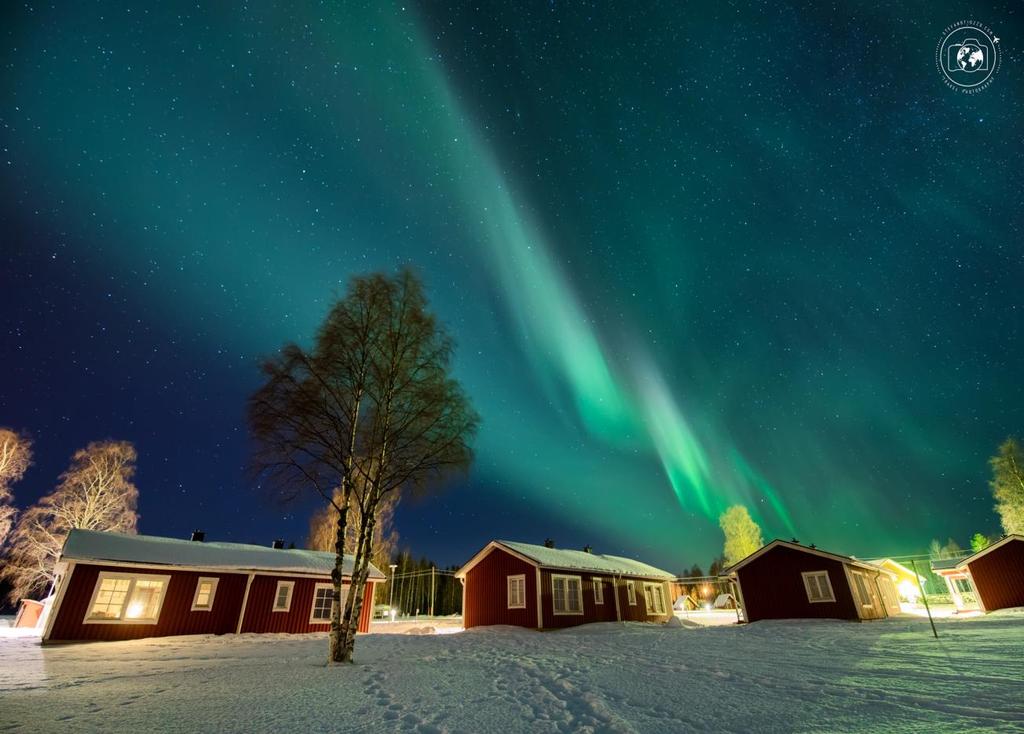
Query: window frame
631,592
598,583
277,594
653,586
214,581
579,595
807,575
330,611
862,592
509,581
165,579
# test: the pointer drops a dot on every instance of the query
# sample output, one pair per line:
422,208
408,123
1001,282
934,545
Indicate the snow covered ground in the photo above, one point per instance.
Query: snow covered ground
888,676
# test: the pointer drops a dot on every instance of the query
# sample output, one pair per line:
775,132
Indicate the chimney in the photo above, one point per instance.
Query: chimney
198,536
549,543
587,549
277,544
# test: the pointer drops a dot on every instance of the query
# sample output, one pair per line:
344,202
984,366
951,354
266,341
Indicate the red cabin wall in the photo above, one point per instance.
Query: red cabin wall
487,596
486,600
593,612
638,612
773,587
176,617
261,617
999,576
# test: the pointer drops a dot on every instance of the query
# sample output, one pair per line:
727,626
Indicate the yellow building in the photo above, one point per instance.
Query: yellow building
908,584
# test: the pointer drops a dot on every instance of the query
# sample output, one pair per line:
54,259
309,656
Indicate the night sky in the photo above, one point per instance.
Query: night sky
693,254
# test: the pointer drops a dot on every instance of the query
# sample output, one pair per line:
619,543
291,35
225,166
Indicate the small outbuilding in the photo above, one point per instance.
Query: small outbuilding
543,587
112,586
906,582
786,580
993,575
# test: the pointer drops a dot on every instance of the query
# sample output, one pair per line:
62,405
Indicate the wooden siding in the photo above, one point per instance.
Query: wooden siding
638,612
261,617
999,576
176,615
486,600
773,587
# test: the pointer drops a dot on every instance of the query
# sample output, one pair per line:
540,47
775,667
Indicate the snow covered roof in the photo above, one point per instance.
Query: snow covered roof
806,549
572,560
92,545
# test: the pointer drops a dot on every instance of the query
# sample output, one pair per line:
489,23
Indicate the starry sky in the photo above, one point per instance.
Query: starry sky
693,254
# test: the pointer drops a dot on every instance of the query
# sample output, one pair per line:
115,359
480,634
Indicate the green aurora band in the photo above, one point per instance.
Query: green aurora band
244,228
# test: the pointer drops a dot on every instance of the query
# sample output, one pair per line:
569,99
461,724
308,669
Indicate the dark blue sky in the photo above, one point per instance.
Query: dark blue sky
692,256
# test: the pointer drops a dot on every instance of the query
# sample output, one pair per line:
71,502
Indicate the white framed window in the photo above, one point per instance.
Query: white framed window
598,591
631,592
206,590
323,603
566,594
283,596
861,587
127,598
517,592
654,596
818,587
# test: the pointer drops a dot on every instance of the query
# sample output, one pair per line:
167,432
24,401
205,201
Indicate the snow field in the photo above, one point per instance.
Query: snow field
887,676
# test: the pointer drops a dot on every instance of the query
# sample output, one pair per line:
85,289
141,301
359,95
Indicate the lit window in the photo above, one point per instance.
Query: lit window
283,596
323,603
567,594
818,587
598,591
631,592
517,592
126,598
654,595
206,589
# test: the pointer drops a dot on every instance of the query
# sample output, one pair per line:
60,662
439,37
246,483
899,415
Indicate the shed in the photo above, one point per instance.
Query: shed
786,580
541,587
995,575
908,584
112,586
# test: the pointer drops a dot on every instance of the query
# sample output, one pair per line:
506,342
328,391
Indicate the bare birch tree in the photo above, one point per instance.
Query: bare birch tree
419,426
15,459
306,419
95,493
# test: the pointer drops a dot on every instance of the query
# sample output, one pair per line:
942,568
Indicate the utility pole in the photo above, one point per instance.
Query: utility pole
431,591
391,596
924,598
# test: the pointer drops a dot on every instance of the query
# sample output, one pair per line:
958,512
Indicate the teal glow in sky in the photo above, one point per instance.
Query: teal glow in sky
675,285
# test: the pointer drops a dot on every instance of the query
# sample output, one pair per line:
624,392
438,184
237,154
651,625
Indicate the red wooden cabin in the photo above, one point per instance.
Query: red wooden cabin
786,580
542,588
995,573
118,587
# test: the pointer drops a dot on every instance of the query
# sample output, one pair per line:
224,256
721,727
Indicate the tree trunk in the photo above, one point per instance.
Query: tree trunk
354,603
336,648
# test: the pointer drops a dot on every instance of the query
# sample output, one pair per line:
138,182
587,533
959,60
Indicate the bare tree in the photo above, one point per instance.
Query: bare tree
420,422
95,493
15,459
1008,485
367,412
307,417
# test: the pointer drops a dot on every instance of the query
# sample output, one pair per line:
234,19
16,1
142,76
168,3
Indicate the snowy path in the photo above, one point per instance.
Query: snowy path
887,676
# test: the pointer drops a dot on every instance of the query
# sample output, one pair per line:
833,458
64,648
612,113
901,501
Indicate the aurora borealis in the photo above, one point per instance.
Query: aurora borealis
691,255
